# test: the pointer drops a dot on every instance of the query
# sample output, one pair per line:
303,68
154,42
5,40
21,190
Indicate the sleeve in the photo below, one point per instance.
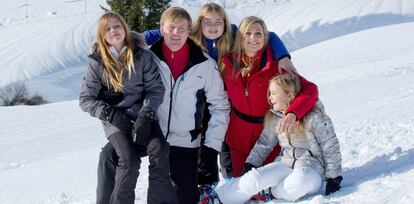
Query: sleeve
305,100
278,48
219,108
264,146
325,134
234,29
153,86
151,36
90,87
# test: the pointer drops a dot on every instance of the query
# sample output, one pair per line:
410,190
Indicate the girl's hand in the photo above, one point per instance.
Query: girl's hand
286,65
287,123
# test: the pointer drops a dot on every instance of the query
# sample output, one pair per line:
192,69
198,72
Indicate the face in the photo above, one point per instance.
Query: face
175,33
278,98
253,39
115,33
212,25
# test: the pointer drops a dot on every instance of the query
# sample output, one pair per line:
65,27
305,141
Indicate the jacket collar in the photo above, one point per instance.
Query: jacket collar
196,54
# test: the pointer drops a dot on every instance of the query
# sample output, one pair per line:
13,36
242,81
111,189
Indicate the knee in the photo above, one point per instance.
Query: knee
108,156
301,182
250,182
158,147
131,160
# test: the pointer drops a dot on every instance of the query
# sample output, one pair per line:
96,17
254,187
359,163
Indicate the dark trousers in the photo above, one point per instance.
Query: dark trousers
184,173
226,168
119,164
208,170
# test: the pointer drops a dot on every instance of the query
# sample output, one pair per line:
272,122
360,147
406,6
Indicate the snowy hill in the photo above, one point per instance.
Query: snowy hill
361,55
48,49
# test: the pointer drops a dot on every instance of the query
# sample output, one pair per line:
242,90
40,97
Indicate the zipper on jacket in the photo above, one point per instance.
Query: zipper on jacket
169,110
179,83
294,156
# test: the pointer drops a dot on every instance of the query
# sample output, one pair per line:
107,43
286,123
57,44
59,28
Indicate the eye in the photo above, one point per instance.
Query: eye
247,33
181,29
258,34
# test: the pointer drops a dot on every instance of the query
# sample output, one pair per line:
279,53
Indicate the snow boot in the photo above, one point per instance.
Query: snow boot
264,195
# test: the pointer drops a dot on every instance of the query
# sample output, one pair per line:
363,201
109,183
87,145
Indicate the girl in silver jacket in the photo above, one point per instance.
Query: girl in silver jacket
310,153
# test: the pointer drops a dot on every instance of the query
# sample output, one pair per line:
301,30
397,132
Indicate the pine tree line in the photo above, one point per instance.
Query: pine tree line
140,15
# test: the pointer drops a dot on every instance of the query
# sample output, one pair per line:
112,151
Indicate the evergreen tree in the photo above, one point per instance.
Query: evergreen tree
140,15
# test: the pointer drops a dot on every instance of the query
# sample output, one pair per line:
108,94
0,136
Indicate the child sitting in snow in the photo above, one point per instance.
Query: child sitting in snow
310,154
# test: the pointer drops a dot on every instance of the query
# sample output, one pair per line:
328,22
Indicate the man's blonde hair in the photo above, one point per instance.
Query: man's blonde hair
175,13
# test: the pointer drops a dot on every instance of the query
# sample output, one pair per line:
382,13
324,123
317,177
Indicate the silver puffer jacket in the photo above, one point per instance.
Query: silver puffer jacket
318,148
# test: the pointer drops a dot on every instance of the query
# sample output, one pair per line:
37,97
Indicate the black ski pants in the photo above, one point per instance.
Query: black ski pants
119,164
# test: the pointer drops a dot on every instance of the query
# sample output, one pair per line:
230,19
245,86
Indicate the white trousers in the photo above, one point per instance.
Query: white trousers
286,183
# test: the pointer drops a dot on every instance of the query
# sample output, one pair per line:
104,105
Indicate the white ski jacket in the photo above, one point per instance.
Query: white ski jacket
181,112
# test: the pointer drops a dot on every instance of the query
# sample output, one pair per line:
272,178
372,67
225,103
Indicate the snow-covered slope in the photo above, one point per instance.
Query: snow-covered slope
48,50
49,153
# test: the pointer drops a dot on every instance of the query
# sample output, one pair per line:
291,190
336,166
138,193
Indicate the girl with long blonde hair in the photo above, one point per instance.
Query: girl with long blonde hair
123,88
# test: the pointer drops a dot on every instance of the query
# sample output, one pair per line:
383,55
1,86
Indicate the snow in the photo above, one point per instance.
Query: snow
360,53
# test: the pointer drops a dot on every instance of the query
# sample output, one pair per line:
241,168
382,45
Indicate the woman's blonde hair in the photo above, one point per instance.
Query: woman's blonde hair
289,83
225,42
113,68
238,49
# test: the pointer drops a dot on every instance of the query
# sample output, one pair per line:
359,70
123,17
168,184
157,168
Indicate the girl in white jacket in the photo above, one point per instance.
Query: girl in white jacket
310,154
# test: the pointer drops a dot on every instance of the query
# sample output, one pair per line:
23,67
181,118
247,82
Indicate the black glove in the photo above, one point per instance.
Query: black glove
248,167
142,128
207,166
333,185
117,118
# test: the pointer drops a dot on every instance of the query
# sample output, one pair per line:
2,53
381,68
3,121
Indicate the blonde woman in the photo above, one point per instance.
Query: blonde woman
310,153
246,71
123,88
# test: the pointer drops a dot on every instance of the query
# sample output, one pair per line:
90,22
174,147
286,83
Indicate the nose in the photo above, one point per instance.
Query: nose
113,31
175,30
252,37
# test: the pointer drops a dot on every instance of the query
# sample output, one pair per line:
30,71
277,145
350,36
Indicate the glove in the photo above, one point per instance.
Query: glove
142,128
117,118
207,166
248,167
333,185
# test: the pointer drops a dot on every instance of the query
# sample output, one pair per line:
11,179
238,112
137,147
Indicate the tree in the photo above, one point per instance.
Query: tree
140,15
17,94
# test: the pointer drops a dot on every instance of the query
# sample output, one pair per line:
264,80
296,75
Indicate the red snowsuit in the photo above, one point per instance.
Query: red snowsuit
248,97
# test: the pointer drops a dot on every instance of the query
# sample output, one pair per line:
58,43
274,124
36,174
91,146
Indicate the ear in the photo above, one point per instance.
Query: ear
162,30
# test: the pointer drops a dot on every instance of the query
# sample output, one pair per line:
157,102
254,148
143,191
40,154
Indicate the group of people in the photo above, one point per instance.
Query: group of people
203,89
